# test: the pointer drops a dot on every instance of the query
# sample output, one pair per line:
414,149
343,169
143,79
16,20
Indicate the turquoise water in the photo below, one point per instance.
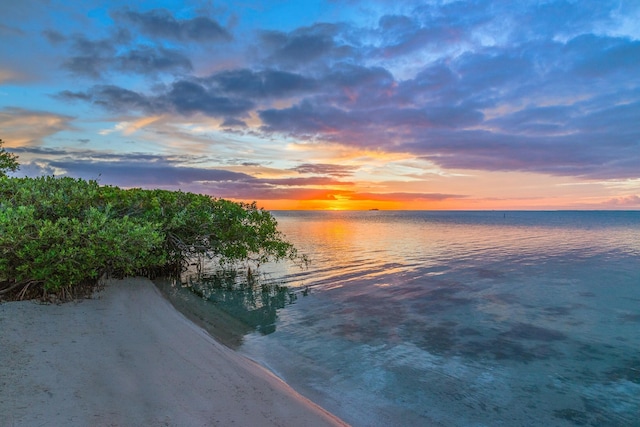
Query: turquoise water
454,318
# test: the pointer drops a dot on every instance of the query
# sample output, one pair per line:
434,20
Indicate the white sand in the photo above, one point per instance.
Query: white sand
128,358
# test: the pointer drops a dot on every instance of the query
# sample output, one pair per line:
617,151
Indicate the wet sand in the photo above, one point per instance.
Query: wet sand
128,358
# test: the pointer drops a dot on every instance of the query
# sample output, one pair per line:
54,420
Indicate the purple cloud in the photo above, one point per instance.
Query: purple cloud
162,23
547,87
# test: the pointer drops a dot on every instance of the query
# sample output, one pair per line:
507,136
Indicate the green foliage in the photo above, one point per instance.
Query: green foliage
60,232
67,251
8,161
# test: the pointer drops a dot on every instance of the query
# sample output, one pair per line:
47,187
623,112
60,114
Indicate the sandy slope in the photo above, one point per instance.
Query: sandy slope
128,358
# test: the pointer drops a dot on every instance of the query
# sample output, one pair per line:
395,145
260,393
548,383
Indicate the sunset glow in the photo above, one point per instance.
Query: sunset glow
331,105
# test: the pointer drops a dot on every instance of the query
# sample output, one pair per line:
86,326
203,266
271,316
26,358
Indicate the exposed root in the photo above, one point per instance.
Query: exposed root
33,290
21,290
13,294
9,288
24,290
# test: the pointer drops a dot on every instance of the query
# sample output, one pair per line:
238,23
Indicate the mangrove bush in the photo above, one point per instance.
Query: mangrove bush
8,161
59,233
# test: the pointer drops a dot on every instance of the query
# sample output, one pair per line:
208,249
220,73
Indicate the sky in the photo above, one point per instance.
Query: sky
327,104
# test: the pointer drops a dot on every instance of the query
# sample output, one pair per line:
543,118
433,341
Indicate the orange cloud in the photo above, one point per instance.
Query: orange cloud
22,127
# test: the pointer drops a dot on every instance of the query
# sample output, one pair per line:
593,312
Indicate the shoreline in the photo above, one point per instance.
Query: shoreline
127,357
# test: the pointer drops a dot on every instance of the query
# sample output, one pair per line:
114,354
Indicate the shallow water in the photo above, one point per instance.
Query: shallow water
454,318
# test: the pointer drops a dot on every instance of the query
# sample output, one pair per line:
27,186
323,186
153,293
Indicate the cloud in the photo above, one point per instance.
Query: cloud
190,97
402,35
632,201
564,19
602,57
551,120
162,23
6,30
234,123
89,155
26,127
131,126
115,54
536,87
262,84
145,59
325,169
183,97
112,98
256,191
358,87
404,197
310,118
248,191
89,57
184,172
318,44
31,169
509,108
54,36
371,127
11,76
303,182
146,174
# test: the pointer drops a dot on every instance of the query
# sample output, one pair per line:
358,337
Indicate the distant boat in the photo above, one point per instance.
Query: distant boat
374,209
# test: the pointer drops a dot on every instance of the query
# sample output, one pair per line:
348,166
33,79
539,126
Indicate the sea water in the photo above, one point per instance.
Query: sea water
454,318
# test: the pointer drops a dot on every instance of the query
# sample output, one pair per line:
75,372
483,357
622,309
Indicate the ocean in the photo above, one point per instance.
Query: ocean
408,318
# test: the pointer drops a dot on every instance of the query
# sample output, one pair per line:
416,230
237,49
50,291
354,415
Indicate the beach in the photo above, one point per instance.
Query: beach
127,358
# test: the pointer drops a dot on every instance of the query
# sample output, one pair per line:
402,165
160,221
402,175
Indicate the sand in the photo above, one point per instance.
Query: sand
128,358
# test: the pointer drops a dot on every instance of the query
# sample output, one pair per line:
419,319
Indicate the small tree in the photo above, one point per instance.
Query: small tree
8,161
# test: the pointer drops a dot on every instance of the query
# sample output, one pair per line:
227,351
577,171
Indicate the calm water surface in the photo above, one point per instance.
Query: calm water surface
453,318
